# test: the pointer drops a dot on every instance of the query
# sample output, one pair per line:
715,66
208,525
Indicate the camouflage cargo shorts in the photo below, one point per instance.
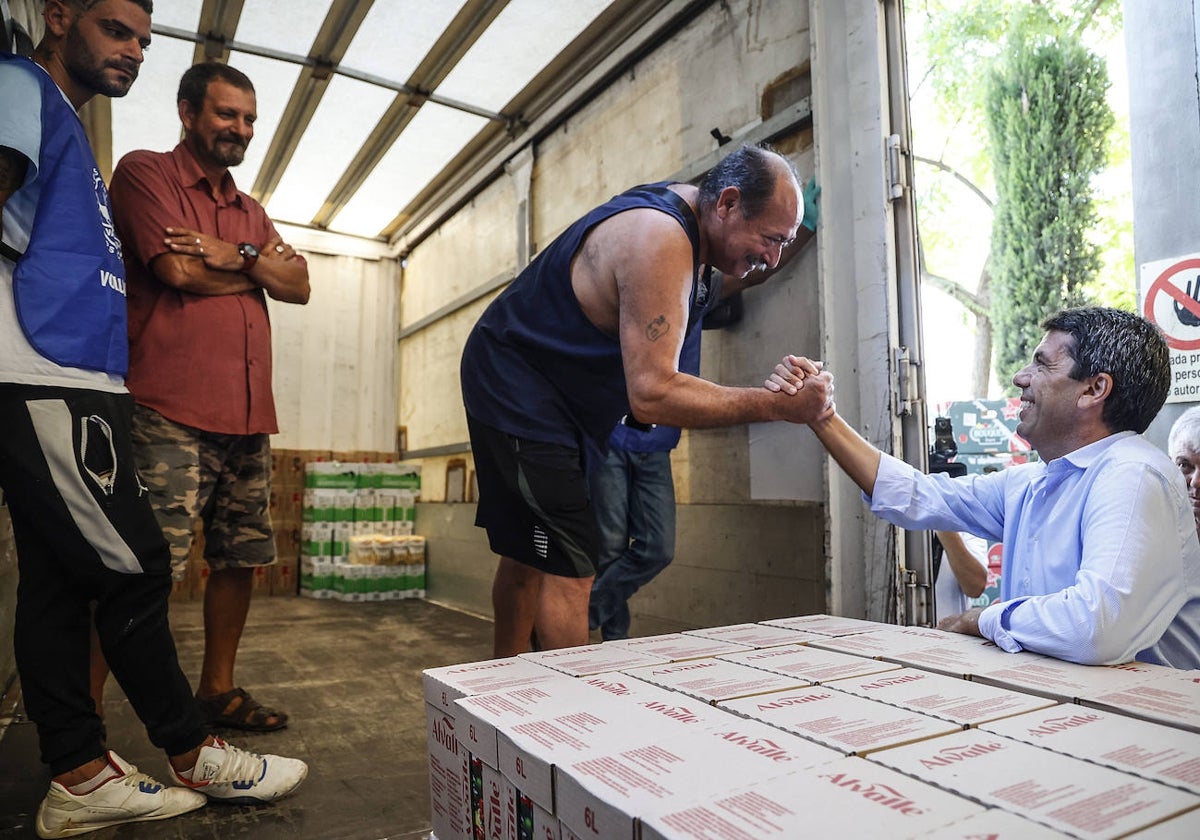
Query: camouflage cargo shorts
219,479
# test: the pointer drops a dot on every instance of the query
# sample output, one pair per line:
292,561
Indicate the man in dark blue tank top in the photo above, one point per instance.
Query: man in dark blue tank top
591,331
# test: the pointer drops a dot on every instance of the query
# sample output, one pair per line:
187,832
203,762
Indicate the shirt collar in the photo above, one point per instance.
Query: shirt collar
1085,456
192,175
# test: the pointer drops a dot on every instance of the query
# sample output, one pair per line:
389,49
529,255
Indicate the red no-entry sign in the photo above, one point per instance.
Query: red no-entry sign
1180,282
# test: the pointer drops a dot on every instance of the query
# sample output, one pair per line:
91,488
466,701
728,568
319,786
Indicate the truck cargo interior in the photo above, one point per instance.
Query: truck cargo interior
419,154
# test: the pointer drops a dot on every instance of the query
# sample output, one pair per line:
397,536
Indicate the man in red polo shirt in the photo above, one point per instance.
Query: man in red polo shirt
201,257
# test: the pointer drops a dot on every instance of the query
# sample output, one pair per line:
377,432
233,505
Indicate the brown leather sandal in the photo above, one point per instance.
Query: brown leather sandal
236,709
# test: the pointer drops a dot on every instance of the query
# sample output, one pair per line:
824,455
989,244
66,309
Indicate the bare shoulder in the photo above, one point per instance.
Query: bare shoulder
640,238
627,257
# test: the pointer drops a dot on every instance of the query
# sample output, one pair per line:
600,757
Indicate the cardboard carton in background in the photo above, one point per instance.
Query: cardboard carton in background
592,659
824,625
810,664
755,635
677,647
956,659
956,700
890,640
1068,681
713,680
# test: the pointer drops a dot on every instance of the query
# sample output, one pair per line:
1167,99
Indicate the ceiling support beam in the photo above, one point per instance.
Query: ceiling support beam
218,21
620,37
466,28
341,24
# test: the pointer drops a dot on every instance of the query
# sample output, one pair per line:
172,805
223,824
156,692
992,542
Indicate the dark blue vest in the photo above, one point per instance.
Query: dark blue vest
69,286
534,365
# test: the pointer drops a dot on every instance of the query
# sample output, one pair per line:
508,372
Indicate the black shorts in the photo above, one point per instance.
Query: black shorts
533,502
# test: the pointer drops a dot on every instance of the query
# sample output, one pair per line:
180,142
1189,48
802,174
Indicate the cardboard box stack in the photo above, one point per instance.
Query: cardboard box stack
812,726
357,541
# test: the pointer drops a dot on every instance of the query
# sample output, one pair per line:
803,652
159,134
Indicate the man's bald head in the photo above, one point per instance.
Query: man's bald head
756,172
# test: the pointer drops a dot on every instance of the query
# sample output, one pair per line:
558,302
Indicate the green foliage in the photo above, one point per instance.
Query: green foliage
1047,122
961,39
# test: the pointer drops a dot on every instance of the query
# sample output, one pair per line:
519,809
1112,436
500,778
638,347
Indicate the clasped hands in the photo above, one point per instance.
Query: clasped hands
808,379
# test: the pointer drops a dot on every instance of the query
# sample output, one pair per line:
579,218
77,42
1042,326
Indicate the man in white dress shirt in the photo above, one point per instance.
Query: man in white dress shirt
1101,563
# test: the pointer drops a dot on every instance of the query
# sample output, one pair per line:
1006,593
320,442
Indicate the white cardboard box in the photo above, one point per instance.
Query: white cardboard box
677,647
1183,827
1173,699
445,685
529,750
604,794
846,723
449,776
1068,681
956,659
712,680
449,768
995,824
1145,749
1067,794
810,664
755,635
849,798
482,716
591,659
956,700
826,625
890,640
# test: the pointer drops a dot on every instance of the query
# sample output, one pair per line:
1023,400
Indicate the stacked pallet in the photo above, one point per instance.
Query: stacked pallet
357,541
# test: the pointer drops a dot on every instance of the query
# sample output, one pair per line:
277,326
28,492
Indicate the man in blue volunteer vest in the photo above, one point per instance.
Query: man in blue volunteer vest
589,332
82,521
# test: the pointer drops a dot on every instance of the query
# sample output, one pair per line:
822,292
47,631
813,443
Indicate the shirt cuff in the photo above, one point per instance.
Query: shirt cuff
893,480
995,623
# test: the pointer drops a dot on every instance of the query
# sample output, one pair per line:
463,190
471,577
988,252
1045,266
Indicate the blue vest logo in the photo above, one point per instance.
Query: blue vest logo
112,281
102,205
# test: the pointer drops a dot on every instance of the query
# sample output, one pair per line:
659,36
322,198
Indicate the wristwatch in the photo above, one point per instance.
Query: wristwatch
249,255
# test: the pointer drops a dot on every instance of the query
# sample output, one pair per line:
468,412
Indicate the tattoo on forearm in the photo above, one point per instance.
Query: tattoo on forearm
12,170
657,328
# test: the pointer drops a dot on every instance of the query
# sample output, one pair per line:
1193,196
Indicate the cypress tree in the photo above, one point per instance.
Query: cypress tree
1047,125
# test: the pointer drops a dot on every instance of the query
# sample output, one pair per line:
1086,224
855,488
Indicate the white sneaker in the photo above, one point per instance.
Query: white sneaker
229,774
130,797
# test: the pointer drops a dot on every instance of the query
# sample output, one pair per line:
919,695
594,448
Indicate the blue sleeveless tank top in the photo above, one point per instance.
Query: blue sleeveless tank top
535,366
69,287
